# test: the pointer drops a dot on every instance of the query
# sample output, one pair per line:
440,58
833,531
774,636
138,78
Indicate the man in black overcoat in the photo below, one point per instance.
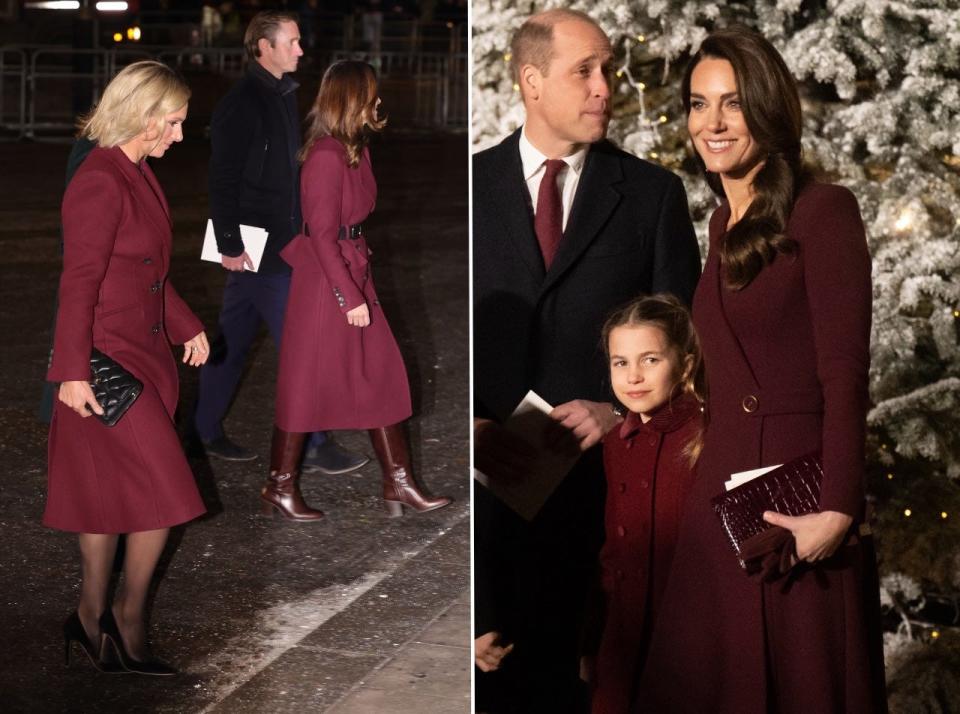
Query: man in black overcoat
565,228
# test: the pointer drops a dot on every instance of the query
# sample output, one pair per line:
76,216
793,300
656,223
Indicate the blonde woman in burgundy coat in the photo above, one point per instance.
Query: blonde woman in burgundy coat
340,367
131,478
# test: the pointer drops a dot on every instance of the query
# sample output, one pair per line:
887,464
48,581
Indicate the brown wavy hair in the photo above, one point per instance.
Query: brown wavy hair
344,109
771,108
670,316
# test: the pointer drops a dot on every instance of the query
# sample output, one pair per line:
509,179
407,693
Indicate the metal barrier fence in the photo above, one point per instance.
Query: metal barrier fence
43,89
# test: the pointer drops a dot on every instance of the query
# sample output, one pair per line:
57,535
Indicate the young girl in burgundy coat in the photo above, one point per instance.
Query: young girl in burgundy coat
340,367
649,461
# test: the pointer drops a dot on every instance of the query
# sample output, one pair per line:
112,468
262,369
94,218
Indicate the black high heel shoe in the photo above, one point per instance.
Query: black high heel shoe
111,634
73,632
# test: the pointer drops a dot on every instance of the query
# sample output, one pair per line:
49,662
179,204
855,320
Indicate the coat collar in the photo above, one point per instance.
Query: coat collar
512,196
282,86
596,199
735,362
669,417
143,182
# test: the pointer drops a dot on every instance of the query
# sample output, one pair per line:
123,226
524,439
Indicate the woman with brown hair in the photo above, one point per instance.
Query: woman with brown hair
131,478
783,314
340,367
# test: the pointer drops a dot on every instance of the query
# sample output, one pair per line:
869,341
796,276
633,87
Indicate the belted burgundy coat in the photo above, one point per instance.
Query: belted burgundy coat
787,360
115,296
334,375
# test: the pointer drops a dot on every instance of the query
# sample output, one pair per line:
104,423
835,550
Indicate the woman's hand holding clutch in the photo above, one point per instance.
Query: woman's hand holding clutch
196,351
78,395
359,316
817,535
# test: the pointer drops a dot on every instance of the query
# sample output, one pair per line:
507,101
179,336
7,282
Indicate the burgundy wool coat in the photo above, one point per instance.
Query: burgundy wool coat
787,360
114,295
333,375
648,478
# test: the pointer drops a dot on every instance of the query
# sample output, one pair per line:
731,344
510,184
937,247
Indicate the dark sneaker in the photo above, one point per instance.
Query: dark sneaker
332,459
223,448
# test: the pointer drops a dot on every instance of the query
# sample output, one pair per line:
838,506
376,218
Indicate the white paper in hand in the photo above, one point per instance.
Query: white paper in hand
254,241
530,421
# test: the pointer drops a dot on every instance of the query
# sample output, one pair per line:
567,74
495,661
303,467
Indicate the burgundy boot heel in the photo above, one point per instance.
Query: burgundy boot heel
399,487
281,493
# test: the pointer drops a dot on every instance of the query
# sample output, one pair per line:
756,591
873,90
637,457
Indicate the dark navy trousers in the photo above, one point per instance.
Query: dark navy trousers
249,299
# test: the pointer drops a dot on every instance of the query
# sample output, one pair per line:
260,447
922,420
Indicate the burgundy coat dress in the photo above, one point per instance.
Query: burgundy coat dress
648,478
114,295
787,360
334,375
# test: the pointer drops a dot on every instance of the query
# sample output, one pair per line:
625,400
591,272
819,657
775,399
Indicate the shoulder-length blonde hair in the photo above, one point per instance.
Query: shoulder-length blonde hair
138,98
344,109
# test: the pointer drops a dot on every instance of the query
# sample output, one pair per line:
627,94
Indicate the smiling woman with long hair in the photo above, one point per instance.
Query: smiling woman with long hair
340,367
783,314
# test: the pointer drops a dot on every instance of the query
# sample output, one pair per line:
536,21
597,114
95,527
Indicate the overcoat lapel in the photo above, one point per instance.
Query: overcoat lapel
146,189
595,200
512,197
734,361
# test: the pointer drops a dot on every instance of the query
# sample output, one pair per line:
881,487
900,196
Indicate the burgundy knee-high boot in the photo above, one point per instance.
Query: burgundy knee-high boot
399,487
281,492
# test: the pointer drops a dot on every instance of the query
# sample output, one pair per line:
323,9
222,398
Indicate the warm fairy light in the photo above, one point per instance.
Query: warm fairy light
641,38
641,86
663,118
619,72
506,57
654,155
943,515
935,634
117,37
956,313
907,512
889,477
904,221
516,88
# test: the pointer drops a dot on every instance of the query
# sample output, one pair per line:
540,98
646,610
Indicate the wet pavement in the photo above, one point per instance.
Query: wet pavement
357,613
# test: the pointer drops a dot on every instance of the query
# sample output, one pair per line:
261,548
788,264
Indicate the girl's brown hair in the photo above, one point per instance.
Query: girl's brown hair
771,108
344,109
672,318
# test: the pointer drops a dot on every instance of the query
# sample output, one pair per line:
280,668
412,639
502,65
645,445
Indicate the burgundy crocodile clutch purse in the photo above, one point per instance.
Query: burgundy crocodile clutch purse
792,489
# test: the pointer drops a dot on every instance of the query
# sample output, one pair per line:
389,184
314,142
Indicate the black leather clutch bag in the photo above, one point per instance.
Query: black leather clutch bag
114,387
792,489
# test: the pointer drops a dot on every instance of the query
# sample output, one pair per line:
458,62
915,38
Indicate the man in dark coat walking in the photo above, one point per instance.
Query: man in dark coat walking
254,181
565,227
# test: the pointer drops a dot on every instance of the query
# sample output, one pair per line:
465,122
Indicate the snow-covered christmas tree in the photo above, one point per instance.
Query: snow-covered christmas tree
880,81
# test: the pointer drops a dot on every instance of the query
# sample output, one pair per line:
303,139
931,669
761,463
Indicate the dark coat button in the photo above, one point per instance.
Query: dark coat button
155,329
147,261
750,404
155,288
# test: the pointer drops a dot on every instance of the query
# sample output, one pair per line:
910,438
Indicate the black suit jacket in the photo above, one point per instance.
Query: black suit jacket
629,232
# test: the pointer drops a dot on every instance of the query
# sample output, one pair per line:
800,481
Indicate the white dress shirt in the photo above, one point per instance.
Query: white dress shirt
534,165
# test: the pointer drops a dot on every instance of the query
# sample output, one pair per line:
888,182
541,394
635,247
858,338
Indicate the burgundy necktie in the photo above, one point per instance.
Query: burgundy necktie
548,223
